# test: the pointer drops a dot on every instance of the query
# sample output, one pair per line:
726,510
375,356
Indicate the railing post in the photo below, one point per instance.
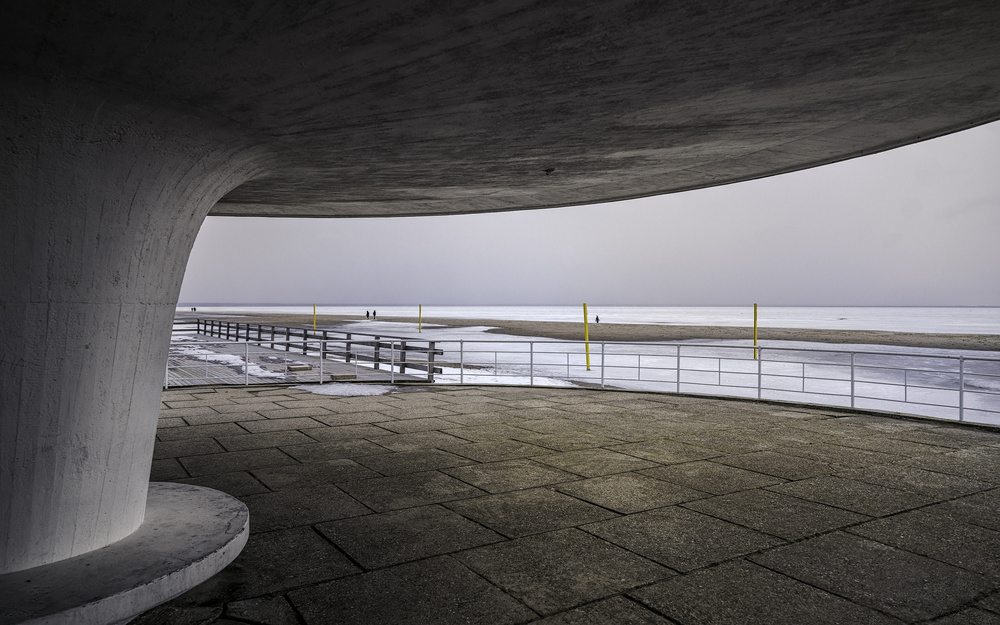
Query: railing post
305,344
531,363
288,339
322,356
402,357
961,388
258,335
246,363
376,348
166,374
430,362
602,364
677,380
272,337
760,359
347,345
392,361
852,379
461,361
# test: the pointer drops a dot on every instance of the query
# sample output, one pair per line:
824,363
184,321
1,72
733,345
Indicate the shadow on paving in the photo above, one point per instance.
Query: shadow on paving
514,505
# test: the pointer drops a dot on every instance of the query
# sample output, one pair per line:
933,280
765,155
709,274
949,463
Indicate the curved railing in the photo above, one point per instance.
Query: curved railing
913,382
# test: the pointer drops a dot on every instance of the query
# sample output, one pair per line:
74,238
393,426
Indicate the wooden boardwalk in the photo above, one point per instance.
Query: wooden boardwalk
200,360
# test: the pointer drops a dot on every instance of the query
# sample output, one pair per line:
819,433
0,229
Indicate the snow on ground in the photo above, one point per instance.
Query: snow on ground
227,360
343,389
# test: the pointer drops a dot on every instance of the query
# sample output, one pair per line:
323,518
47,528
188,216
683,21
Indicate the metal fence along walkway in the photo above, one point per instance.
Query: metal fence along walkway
962,388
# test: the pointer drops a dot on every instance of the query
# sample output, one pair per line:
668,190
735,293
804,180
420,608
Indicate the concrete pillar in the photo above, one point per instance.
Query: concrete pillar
100,203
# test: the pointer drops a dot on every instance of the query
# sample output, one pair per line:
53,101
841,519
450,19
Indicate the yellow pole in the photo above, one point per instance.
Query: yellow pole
420,316
755,330
586,335
314,317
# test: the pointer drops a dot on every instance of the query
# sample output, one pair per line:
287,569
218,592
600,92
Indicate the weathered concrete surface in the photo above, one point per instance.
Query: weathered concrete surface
189,534
101,203
502,514
389,108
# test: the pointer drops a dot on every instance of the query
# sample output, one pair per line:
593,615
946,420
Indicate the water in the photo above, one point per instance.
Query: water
950,320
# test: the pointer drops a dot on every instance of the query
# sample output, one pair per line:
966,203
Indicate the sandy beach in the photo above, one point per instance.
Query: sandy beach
643,332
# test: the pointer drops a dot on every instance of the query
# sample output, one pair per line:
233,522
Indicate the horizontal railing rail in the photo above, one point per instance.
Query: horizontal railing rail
960,387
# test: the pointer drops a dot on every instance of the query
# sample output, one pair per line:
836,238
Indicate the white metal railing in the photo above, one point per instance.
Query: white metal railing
963,388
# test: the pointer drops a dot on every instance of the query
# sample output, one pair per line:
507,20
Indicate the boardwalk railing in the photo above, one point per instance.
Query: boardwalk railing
255,354
951,387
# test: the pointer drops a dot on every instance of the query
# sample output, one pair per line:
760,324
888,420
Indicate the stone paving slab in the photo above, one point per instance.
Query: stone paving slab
940,486
561,570
969,547
742,593
629,492
525,512
682,539
237,483
617,609
409,490
399,536
860,497
438,590
777,464
305,506
780,515
441,504
870,573
499,477
712,477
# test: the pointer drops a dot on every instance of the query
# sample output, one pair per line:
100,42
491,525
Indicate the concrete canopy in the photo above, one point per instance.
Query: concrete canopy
387,108
126,123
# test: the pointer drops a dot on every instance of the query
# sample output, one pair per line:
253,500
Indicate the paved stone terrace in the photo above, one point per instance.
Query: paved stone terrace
513,505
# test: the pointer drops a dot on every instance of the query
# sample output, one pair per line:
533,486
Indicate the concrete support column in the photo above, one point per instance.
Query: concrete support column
100,203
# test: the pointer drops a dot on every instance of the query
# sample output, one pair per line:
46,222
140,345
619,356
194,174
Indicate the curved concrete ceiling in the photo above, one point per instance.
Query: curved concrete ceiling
384,108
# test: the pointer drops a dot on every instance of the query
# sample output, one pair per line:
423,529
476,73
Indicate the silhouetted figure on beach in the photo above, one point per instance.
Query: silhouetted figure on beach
367,316
597,319
373,313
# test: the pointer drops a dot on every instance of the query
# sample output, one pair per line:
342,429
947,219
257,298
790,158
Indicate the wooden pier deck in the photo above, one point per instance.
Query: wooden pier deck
201,360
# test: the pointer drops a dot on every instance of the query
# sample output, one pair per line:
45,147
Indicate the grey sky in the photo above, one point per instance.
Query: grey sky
915,226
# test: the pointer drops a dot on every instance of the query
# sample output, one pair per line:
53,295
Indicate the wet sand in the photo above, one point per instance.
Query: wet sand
643,332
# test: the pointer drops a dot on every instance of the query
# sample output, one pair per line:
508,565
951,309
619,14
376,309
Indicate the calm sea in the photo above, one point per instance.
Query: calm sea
972,320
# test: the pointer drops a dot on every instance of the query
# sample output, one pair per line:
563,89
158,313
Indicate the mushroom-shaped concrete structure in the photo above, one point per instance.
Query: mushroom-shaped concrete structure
125,123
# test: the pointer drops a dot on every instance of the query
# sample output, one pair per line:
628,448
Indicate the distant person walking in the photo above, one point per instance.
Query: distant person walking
373,313
597,319
367,315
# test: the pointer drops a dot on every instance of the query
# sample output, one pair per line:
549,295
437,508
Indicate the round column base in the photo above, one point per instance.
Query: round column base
189,534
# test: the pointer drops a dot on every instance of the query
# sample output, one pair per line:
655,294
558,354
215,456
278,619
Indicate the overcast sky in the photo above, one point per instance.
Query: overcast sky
915,226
